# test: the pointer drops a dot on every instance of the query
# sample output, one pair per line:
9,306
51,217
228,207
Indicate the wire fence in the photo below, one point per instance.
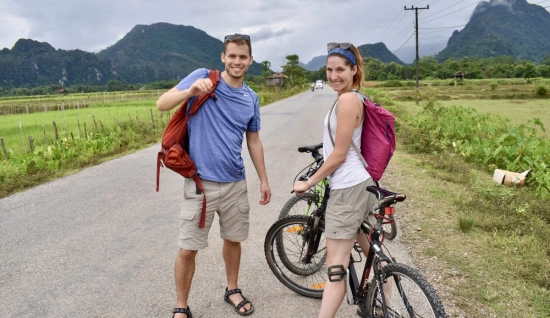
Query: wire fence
33,104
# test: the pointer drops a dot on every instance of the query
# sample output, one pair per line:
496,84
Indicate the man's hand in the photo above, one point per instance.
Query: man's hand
201,86
266,194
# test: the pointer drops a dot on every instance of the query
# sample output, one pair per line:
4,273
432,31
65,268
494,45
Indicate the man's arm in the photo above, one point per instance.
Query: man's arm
174,96
256,150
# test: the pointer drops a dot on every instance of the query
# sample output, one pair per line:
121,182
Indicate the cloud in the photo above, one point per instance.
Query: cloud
277,28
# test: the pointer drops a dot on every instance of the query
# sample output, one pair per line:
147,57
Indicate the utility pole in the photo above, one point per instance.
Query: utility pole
416,27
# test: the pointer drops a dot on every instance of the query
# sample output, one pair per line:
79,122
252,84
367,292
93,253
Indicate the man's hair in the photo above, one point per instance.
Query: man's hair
239,39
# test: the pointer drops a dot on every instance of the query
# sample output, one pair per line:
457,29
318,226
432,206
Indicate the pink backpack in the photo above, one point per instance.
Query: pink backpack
377,138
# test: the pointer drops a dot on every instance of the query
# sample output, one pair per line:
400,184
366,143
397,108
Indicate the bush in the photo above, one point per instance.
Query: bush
392,83
541,90
494,86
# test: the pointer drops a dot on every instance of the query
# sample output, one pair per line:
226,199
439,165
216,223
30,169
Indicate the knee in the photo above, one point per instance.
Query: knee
184,254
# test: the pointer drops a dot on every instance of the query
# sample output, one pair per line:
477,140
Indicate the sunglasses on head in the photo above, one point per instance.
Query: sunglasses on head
333,45
236,37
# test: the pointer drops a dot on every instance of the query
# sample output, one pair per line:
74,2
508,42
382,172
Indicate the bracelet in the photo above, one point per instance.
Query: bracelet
309,183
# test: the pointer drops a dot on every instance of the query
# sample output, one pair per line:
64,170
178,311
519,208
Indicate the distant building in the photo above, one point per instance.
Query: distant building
276,80
62,91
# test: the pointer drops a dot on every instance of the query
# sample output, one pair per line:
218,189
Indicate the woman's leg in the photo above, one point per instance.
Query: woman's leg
338,253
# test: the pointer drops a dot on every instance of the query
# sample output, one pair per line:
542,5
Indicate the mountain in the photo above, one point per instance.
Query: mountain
377,50
502,27
31,63
165,51
148,53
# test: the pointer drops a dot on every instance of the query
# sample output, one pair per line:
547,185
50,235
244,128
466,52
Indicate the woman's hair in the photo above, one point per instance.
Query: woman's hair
358,78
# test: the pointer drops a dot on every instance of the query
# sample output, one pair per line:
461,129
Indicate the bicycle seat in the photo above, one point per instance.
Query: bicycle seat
310,148
383,193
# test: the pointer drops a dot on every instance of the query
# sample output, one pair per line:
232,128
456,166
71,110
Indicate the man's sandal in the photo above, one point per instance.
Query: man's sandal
241,304
186,311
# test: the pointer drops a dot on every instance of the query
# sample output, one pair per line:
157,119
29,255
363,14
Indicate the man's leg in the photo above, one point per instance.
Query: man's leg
184,271
232,258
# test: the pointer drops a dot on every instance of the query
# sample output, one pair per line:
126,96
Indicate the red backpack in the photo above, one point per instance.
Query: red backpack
377,138
175,142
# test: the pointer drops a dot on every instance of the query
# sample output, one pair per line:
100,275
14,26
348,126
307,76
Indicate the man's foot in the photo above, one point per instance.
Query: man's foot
182,313
241,305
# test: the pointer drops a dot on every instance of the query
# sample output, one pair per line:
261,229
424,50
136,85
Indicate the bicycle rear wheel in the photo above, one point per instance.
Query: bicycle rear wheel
407,294
390,229
285,247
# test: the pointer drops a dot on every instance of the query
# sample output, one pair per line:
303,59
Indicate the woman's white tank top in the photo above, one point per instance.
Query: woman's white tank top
352,171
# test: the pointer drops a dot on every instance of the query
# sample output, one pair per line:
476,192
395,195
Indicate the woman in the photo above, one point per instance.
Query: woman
349,201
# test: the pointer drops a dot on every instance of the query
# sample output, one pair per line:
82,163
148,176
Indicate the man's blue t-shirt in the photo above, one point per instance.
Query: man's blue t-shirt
216,131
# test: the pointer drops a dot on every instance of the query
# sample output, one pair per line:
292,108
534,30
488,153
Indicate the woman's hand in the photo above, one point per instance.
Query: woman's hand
301,187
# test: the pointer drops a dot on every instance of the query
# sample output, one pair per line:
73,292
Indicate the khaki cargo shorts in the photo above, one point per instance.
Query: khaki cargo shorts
228,199
347,209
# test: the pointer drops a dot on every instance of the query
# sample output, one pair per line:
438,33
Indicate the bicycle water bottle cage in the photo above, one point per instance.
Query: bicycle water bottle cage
336,273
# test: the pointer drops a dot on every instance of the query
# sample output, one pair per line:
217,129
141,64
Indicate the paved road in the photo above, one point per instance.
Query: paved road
102,243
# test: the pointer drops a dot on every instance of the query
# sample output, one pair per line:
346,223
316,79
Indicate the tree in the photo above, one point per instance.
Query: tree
297,75
530,71
266,69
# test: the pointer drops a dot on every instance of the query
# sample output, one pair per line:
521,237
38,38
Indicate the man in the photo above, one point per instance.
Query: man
216,134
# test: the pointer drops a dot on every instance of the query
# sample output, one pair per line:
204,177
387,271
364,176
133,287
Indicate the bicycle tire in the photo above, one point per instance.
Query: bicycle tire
302,279
302,204
390,229
415,290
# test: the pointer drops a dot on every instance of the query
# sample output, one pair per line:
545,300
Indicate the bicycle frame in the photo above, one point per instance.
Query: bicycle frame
374,257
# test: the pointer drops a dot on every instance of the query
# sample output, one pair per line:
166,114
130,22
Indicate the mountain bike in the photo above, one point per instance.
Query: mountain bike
305,203
395,289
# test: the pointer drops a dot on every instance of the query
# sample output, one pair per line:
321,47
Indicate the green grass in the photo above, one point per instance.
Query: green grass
16,129
517,111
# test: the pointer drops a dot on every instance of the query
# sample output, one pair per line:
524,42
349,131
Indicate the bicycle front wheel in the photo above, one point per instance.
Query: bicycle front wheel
302,204
285,248
406,294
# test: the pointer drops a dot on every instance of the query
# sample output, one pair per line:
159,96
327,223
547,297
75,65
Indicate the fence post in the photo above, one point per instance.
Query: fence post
103,128
55,130
22,137
44,131
31,144
4,148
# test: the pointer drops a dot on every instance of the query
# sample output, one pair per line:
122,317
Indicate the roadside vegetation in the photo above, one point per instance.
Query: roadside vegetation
483,245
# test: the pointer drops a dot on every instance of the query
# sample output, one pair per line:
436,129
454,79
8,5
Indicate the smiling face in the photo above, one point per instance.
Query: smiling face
237,59
340,74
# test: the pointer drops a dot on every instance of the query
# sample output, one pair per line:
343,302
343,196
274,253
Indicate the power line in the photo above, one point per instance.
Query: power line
489,20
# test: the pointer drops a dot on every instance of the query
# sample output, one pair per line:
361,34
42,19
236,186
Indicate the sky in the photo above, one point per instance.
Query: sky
277,28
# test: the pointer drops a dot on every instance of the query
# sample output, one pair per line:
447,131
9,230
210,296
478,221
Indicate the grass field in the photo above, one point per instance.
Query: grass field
15,129
517,111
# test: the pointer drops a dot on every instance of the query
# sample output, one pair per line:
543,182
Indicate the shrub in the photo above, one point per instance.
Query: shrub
541,90
392,83
494,85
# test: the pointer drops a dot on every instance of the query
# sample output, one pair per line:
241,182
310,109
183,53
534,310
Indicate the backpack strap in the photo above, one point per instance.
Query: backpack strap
360,97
